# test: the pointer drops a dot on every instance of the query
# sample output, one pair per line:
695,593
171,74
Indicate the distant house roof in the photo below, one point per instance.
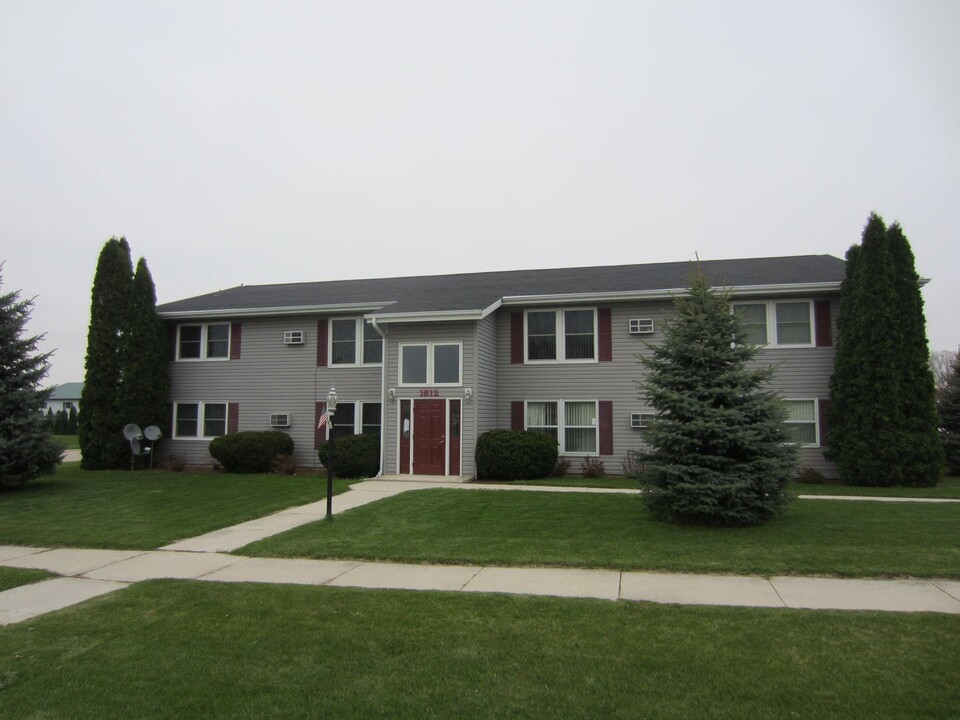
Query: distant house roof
474,294
67,391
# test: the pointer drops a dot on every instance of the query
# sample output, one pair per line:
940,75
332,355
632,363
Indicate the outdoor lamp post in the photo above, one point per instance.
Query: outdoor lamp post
331,409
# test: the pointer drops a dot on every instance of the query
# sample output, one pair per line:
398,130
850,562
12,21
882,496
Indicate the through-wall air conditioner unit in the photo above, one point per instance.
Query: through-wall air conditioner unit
641,326
293,337
280,419
641,420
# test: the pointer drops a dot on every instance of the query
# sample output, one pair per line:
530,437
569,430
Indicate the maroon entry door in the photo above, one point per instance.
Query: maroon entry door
429,437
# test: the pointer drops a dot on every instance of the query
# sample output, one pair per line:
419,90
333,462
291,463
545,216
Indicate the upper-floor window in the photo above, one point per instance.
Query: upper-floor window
204,341
431,364
561,335
786,323
345,349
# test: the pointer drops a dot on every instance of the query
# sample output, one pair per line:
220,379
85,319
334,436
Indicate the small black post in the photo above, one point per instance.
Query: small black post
330,478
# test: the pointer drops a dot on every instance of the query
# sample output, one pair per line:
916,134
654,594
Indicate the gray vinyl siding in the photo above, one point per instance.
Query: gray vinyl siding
412,333
615,380
802,373
486,389
268,377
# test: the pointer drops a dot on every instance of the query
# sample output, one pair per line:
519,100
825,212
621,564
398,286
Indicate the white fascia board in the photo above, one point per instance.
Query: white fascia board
426,316
666,294
273,311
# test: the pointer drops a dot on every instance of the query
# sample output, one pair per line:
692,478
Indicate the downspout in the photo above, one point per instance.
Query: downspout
383,396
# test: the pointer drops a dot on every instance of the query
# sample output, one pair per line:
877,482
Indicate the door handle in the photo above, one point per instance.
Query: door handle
443,439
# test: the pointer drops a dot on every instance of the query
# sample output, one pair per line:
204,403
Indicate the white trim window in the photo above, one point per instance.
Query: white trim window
344,350
203,341
560,335
777,323
573,423
359,418
431,364
190,418
803,426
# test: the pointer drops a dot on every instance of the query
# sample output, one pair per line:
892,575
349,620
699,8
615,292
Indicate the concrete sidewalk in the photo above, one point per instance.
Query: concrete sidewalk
88,573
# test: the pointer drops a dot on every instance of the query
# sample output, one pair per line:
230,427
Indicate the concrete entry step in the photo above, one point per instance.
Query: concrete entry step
423,478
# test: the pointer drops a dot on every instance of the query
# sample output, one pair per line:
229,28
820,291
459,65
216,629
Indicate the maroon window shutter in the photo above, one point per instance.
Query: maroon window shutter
169,420
821,314
233,418
516,415
823,408
172,341
606,427
319,435
235,333
516,337
322,343
604,335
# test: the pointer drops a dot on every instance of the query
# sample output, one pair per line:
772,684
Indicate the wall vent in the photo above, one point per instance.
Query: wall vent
280,419
641,420
293,337
641,326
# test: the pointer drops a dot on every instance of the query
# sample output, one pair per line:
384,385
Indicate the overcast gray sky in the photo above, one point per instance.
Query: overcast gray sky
261,142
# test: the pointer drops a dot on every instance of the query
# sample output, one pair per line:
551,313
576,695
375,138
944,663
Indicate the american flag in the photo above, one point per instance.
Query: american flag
324,419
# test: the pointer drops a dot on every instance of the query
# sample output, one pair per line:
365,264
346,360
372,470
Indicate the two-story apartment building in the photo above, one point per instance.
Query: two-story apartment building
430,363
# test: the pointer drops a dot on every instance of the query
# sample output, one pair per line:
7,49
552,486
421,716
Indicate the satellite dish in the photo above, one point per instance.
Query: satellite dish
135,445
153,433
132,431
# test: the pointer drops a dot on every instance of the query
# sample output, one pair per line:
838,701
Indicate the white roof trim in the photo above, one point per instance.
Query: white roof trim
739,291
426,316
290,310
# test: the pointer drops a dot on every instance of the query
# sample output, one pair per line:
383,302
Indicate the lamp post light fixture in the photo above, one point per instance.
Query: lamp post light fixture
331,409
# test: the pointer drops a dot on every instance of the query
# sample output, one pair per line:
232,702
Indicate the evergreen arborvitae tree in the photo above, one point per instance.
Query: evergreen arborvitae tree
102,444
949,411
73,421
27,449
143,393
882,427
921,460
721,454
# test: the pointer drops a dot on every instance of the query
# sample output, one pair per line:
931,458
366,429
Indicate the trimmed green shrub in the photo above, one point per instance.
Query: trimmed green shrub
515,455
250,452
354,456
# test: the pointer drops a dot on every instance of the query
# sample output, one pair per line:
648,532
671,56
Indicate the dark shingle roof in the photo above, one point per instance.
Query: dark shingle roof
476,291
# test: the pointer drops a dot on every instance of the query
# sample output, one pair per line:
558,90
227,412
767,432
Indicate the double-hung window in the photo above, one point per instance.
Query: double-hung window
802,422
561,335
347,421
200,420
777,324
204,341
354,341
572,423
431,364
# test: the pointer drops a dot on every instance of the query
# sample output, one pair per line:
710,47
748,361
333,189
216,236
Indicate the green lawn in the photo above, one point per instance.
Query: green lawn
166,649
143,509
14,577
69,442
615,531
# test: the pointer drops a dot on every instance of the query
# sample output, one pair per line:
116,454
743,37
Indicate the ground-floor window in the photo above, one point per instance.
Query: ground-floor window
802,421
573,423
357,418
192,418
